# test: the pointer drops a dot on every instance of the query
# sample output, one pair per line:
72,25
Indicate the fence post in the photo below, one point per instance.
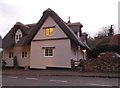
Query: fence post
72,65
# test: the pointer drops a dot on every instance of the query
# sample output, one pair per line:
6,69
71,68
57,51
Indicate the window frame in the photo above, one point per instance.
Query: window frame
24,54
49,52
50,34
49,31
20,36
11,54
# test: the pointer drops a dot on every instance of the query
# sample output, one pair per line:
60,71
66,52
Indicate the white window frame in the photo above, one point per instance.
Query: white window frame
18,35
52,52
11,54
24,54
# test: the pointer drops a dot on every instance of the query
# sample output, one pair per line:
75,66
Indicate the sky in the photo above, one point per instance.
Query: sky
93,14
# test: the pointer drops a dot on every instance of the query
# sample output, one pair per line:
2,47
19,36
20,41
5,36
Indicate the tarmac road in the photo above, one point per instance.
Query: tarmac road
8,80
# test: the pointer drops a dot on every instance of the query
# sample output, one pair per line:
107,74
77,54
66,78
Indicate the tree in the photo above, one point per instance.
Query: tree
106,31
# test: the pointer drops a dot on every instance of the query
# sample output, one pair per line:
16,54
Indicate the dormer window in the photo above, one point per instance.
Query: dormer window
18,35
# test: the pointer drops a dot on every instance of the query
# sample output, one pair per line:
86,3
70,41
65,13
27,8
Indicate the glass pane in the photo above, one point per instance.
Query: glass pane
17,37
51,30
47,31
25,54
12,54
46,54
50,54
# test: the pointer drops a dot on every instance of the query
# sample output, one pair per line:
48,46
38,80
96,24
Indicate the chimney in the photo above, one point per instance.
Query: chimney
84,37
69,20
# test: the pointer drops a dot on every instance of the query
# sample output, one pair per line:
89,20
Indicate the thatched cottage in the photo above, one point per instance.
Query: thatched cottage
49,43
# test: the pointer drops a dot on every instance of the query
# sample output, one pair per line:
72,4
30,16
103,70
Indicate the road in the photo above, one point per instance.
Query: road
57,81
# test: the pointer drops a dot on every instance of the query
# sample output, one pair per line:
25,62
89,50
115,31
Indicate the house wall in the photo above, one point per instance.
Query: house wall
61,57
59,40
17,52
76,53
58,33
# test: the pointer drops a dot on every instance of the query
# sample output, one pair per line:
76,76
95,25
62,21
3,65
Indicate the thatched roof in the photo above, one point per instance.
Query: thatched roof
29,33
9,39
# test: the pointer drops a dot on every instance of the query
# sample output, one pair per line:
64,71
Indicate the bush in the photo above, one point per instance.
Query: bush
3,64
106,63
103,48
15,62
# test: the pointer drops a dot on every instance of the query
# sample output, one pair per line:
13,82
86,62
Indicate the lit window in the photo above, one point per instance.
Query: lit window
48,52
49,31
11,55
24,54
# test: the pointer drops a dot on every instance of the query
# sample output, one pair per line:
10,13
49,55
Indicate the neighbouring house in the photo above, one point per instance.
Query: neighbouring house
115,40
49,43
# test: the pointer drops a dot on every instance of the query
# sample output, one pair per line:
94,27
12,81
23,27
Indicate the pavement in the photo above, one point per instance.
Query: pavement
58,72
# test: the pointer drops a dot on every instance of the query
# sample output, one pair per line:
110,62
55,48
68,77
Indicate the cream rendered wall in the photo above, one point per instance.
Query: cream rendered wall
17,52
61,57
61,52
74,50
58,33
8,60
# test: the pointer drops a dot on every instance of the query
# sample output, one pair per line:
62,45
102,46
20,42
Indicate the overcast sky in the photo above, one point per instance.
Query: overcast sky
93,14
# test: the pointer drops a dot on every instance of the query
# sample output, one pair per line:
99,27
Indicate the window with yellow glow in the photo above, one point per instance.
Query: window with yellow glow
49,31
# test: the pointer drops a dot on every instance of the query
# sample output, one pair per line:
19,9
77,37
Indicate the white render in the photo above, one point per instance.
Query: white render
64,50
23,62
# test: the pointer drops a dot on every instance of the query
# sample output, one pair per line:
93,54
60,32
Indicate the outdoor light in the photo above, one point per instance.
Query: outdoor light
84,50
84,53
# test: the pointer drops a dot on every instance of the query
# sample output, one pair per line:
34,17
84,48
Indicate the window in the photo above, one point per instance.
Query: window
24,54
20,36
49,31
17,37
11,55
48,52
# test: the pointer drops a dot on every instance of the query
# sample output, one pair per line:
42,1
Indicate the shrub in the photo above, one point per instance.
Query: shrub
3,64
15,62
105,63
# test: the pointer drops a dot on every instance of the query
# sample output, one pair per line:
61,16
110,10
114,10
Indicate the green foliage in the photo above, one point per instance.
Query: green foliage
15,62
105,63
103,48
81,65
98,41
3,64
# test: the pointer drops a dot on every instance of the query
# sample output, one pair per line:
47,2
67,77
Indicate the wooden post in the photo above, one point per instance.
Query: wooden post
72,65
